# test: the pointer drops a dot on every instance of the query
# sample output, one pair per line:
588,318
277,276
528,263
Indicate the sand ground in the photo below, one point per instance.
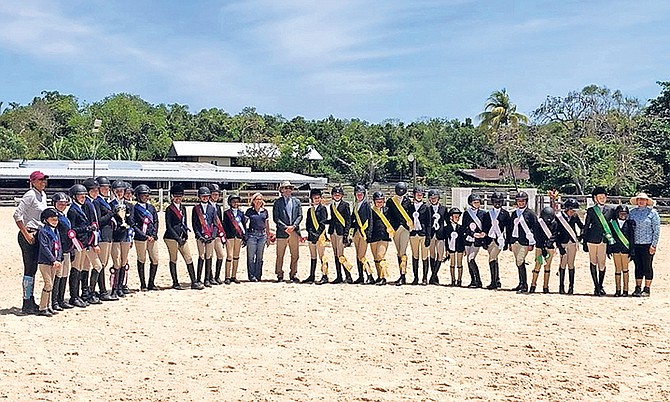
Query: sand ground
276,342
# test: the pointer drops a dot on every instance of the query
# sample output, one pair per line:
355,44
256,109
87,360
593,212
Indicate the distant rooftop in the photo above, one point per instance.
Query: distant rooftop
228,149
493,175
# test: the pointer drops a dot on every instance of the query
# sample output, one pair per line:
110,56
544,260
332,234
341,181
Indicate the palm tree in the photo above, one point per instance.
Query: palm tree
502,119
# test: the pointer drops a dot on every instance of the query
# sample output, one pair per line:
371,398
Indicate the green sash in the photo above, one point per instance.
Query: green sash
619,234
603,222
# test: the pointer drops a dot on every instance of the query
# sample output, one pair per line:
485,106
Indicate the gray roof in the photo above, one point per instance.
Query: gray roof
150,171
229,149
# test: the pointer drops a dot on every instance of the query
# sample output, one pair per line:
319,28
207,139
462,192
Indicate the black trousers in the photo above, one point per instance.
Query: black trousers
643,261
29,252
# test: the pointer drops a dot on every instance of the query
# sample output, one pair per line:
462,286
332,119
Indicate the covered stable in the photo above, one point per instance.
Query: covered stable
227,153
157,175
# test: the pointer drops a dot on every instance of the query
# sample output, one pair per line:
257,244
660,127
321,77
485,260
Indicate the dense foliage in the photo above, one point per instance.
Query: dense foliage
589,137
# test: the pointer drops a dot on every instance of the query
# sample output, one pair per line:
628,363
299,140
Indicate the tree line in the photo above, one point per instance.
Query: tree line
588,137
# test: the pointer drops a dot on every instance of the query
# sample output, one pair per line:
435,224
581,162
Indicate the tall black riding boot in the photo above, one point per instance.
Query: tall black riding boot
120,281
571,281
436,281
85,288
104,295
92,298
523,279
498,284
208,273
61,294
473,275
312,271
217,274
520,285
141,274
492,268
415,271
55,294
173,275
74,279
594,277
561,280
361,278
195,284
478,278
424,277
338,269
153,269
201,264
347,275
601,279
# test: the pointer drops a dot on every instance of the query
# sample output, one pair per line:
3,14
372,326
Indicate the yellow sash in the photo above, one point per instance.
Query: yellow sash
313,215
322,237
337,214
363,227
389,227
410,222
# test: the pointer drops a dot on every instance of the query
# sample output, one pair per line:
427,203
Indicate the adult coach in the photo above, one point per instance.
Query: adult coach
647,232
27,218
287,215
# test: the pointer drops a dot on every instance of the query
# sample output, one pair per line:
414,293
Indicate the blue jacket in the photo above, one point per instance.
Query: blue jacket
50,249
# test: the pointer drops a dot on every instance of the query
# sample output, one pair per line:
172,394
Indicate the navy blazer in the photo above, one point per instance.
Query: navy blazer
281,218
209,216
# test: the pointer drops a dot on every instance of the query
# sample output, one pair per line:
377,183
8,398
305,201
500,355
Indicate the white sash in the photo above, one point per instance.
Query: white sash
495,232
545,228
567,226
475,224
415,215
520,220
452,239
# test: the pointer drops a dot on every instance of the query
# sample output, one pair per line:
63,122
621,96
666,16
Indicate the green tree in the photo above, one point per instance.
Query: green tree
502,121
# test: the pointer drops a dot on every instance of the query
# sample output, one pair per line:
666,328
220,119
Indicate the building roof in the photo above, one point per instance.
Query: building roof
493,175
229,149
151,171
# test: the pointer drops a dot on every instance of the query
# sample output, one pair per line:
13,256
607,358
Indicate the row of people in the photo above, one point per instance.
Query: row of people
98,221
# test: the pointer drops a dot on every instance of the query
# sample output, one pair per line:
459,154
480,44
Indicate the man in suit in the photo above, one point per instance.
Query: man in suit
287,215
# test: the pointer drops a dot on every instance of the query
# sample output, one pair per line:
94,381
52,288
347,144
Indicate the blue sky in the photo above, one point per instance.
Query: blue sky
367,59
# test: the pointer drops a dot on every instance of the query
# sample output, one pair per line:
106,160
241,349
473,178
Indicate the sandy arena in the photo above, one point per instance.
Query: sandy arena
277,342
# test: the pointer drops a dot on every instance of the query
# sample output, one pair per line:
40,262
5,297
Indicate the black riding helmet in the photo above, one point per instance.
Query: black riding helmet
521,195
497,196
337,190
571,203
58,197
142,189
433,193
455,211
103,181
176,190
314,191
621,208
547,214
214,188
204,190
48,213
117,184
77,189
233,197
360,189
474,197
377,195
401,188
91,184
